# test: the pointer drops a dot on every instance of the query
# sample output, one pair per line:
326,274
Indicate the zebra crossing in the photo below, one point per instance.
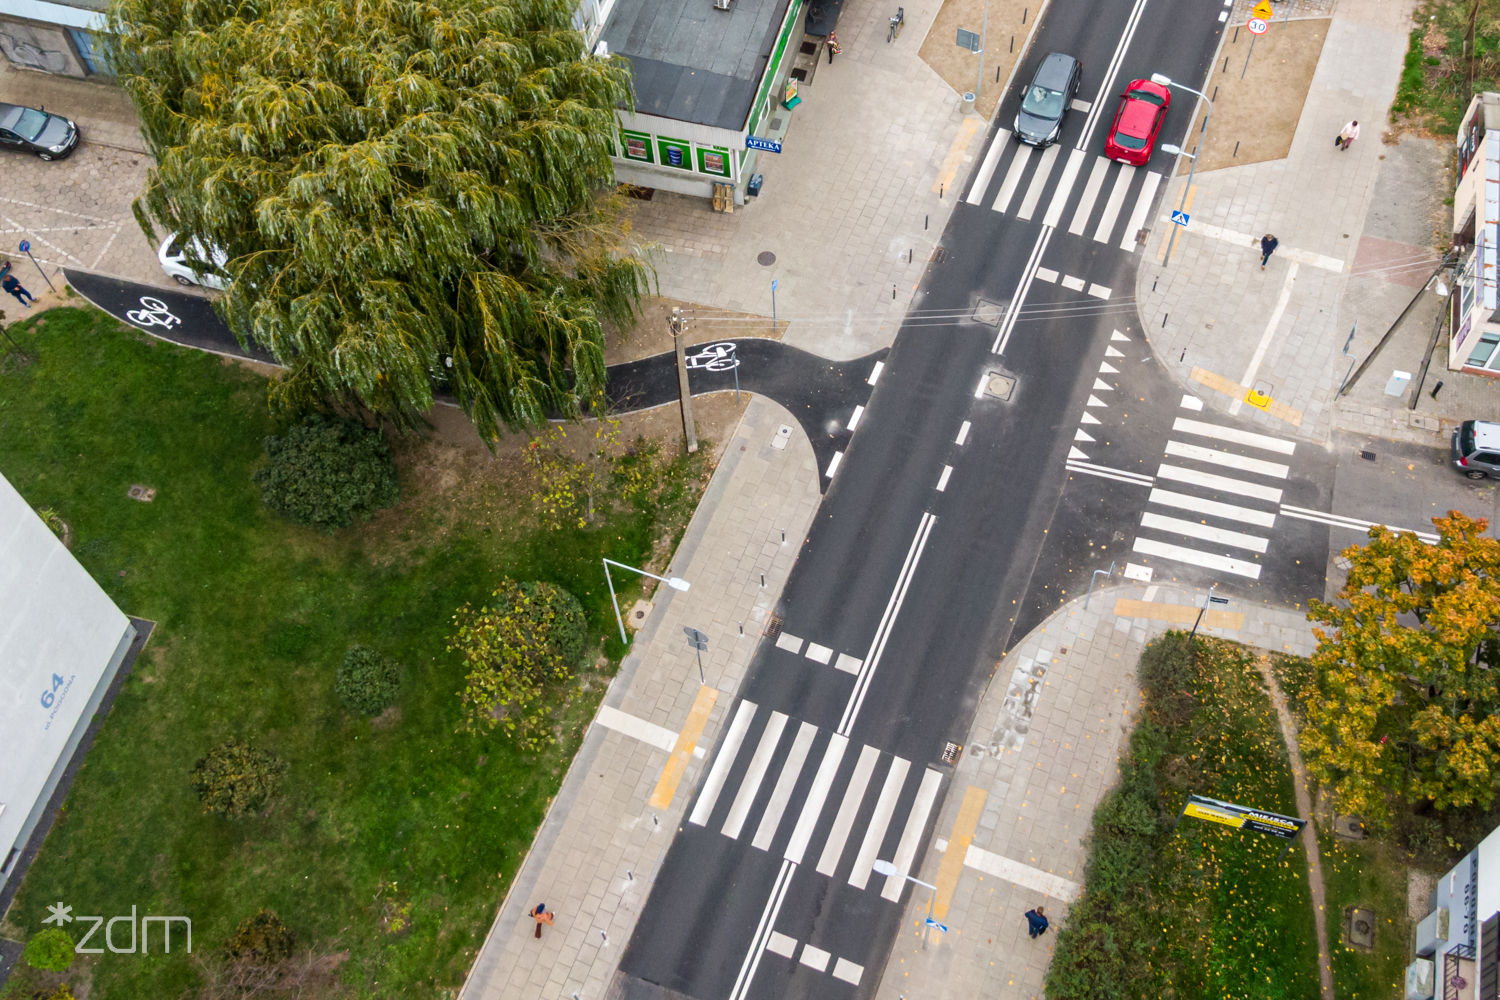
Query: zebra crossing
1025,176
1227,490
859,835
841,853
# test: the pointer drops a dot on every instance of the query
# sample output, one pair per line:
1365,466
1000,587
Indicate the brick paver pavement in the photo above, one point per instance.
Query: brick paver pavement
76,212
851,209
604,838
1043,748
1284,328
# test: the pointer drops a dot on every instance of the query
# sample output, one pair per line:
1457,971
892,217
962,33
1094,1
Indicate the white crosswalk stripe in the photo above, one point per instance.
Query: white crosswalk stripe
1090,195
1207,532
759,763
1208,560
1038,182
782,793
987,168
1216,482
1226,459
1064,188
1213,508
1012,177
885,808
1113,205
1138,214
854,794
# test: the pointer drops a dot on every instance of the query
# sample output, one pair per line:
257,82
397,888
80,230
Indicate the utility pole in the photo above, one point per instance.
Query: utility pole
684,391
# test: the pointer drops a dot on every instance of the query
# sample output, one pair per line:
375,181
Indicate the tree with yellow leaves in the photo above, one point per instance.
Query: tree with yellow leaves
1405,692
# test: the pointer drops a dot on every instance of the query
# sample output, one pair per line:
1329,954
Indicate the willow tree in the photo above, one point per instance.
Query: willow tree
408,192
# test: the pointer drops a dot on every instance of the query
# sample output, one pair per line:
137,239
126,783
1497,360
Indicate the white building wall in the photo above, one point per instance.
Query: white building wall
61,641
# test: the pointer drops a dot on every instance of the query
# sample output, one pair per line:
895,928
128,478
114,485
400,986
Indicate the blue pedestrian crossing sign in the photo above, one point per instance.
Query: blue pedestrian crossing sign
1179,218
934,923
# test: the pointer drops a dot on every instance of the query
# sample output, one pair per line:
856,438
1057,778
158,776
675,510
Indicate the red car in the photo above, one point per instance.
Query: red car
1138,119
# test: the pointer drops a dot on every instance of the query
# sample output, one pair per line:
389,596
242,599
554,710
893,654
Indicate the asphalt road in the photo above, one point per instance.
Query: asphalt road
921,557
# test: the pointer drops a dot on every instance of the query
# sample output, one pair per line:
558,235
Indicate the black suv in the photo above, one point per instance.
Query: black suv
29,130
1047,99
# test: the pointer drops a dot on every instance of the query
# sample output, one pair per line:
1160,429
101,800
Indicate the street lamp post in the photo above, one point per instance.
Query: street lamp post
1166,81
676,583
887,869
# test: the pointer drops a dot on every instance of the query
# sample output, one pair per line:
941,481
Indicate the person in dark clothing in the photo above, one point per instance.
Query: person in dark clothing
1036,921
11,285
1268,245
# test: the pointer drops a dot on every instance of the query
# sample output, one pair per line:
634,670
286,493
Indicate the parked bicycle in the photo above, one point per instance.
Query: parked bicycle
896,22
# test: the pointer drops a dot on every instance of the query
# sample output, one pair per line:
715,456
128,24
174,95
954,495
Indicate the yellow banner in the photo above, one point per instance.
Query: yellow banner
1201,811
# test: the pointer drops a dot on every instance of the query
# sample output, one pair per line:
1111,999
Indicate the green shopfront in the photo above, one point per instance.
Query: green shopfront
699,98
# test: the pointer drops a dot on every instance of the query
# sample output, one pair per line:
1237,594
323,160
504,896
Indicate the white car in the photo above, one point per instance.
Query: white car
175,263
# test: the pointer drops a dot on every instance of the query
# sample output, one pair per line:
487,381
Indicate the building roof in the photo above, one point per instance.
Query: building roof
692,62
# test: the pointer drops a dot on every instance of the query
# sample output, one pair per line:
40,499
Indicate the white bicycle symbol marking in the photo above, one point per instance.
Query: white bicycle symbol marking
715,358
155,313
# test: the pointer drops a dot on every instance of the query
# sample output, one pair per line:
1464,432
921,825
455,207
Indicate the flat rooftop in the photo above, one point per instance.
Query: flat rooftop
692,62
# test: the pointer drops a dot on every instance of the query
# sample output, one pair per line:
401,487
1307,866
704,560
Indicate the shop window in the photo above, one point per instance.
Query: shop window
1480,356
675,153
636,146
714,161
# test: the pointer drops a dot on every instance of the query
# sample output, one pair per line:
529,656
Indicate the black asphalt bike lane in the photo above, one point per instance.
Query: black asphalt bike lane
970,586
821,394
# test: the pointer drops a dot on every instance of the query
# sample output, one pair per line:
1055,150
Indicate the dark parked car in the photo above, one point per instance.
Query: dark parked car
1047,99
30,130
1476,449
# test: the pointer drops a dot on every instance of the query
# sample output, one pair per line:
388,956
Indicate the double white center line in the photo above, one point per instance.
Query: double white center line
763,930
883,631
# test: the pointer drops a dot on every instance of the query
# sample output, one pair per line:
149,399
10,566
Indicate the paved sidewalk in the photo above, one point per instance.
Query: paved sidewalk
1215,318
851,209
1043,749
603,840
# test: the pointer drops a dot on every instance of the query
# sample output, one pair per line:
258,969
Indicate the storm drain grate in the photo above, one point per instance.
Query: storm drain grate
950,753
939,254
773,627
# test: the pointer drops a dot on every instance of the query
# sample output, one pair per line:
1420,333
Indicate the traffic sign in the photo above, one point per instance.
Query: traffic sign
696,639
1257,26
1180,218
25,246
934,923
1262,10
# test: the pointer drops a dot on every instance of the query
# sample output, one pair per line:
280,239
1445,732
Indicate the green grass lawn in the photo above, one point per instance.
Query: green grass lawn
1207,911
253,618
1370,874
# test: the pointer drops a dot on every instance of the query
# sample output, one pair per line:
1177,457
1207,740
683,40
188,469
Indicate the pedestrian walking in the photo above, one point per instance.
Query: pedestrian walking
1268,245
834,48
1347,135
541,915
14,287
1036,920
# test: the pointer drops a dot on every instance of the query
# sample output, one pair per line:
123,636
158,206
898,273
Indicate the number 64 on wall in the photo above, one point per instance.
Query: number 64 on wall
48,697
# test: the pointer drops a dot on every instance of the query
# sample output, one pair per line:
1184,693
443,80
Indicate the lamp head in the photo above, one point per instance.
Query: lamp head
884,868
1161,79
677,583
1168,147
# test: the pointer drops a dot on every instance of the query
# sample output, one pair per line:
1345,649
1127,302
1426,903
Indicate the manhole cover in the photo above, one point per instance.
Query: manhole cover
800,75
1348,827
775,124
145,494
989,313
1359,928
765,258
999,386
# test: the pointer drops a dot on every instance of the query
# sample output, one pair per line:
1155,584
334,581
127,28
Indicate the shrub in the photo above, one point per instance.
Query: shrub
534,634
261,938
50,949
234,778
367,682
327,471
